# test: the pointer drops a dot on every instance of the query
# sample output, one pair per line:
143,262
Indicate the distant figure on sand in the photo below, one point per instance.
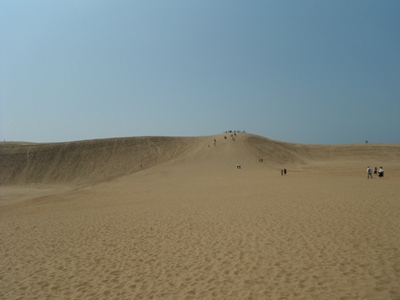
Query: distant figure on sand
369,172
375,170
284,171
380,172
238,166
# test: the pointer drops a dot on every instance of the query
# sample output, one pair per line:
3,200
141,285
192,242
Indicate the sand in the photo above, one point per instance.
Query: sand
187,224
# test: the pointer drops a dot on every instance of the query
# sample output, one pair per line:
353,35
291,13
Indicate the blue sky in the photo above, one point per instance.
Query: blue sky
313,72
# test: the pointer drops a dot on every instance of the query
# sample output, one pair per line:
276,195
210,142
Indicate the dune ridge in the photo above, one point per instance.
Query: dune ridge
99,160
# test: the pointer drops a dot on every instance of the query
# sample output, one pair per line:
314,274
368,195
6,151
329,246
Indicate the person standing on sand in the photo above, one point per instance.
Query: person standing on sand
369,172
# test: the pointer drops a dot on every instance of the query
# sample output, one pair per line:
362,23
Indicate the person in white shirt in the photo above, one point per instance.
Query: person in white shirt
380,172
369,172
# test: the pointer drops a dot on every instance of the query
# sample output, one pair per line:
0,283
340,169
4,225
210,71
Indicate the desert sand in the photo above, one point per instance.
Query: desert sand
174,218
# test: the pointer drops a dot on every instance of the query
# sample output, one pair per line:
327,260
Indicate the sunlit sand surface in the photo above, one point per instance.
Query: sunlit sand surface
173,218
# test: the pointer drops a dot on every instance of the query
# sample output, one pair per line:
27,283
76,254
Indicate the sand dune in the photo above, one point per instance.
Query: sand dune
173,218
95,161
85,161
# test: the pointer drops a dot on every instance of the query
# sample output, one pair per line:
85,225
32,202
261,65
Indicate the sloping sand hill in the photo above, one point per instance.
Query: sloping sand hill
86,161
95,161
174,218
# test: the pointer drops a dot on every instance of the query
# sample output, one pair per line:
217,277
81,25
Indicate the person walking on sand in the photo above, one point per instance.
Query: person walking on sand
380,172
369,172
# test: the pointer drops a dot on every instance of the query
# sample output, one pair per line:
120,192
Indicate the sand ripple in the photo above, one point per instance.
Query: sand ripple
318,239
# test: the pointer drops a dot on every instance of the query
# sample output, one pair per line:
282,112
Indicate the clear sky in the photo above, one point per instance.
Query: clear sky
313,72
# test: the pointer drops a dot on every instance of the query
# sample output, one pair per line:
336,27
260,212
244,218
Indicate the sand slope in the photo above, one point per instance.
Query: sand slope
99,160
85,161
189,225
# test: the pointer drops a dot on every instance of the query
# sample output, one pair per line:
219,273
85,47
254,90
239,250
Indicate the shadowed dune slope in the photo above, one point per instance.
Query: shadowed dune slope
301,154
85,161
100,160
